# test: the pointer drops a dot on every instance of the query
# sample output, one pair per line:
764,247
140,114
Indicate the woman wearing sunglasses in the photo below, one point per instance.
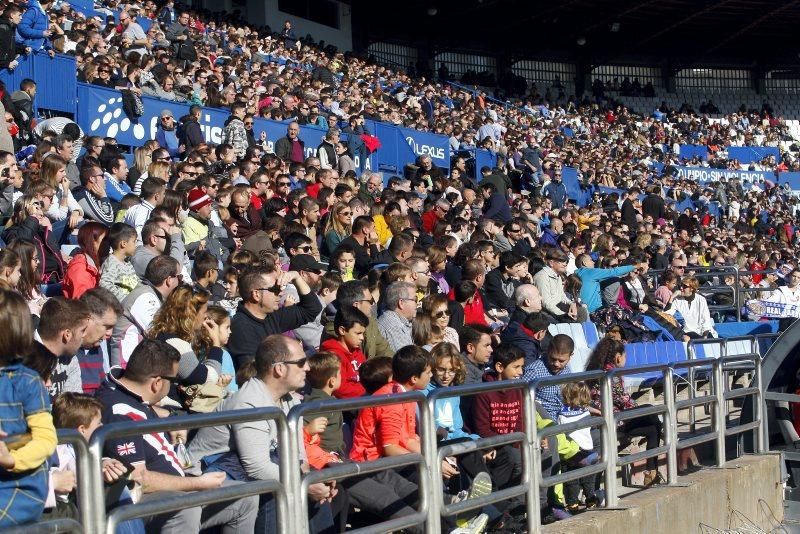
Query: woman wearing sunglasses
694,310
435,308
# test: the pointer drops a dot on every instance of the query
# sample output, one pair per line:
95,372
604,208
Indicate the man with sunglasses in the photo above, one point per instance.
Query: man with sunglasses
356,293
260,315
281,367
130,395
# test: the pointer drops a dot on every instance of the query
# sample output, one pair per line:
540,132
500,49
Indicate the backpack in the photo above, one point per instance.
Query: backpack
132,104
186,51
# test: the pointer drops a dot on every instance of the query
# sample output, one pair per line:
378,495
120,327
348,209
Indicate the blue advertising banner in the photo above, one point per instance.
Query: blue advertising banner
484,158
100,112
704,174
54,96
750,154
690,151
791,178
423,144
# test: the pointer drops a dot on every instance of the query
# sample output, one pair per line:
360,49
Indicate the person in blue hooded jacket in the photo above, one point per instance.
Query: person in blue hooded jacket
167,133
591,278
34,29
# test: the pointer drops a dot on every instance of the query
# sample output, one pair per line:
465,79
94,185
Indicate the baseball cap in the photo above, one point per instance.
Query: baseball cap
306,262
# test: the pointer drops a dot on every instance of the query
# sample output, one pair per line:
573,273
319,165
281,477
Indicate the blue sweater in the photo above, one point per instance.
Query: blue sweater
455,429
591,278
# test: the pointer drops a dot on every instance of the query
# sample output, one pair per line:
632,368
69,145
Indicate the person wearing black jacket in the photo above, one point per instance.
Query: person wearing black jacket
189,133
10,50
259,314
502,281
654,205
628,211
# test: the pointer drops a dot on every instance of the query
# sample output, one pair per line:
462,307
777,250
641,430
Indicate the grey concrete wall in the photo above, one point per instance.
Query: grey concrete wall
749,486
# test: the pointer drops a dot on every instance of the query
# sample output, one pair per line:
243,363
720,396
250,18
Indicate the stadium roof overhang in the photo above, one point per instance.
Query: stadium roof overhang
679,33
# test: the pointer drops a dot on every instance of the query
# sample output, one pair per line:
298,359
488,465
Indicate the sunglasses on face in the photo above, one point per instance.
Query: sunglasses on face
441,314
275,290
300,362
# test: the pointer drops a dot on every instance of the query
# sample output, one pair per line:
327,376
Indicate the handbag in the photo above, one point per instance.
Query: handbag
203,398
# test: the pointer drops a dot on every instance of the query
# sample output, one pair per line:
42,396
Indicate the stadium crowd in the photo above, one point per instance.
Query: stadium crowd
246,274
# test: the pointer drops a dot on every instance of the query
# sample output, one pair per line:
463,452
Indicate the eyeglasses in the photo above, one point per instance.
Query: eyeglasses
679,267
426,273
305,248
248,123
441,314
275,290
346,213
370,300
284,184
164,158
408,298
179,276
299,362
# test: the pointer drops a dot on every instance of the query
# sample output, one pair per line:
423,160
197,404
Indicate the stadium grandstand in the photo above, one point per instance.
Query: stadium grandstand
312,266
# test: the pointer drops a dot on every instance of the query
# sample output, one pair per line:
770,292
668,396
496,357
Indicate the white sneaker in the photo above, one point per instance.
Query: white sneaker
476,525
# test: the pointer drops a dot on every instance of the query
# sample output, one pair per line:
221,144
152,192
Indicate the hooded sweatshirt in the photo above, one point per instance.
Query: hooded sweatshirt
349,361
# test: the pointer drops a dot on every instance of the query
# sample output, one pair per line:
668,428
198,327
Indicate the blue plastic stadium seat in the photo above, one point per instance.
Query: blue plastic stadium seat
582,349
660,352
591,334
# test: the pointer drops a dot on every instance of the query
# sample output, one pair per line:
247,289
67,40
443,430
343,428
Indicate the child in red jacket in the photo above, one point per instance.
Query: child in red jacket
349,326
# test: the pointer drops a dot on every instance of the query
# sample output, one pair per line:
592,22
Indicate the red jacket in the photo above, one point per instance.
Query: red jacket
80,277
349,363
473,313
498,412
429,220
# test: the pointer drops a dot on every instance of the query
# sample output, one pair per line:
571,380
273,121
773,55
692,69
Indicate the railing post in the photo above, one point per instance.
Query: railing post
736,296
532,453
430,482
609,441
288,465
759,410
299,505
692,394
95,522
671,425
719,410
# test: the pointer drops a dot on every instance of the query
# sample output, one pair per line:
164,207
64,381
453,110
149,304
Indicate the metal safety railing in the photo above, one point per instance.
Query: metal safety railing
347,470
291,489
96,520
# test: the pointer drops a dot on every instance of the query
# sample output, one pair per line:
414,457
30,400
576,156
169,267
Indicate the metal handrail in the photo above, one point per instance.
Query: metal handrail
295,426
97,521
290,489
526,439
